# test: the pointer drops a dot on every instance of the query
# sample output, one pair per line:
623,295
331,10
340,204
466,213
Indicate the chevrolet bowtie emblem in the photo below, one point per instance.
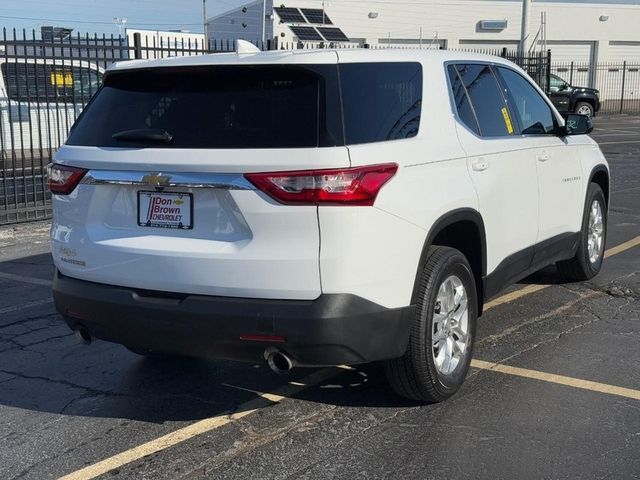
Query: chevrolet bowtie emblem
156,180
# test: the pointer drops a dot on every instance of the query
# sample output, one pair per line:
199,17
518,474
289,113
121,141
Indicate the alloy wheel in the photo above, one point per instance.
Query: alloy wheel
450,326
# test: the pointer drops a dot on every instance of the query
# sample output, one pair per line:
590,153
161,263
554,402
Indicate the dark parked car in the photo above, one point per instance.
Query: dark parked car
570,99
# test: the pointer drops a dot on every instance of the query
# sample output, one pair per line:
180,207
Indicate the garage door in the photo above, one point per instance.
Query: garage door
624,51
578,52
573,61
624,95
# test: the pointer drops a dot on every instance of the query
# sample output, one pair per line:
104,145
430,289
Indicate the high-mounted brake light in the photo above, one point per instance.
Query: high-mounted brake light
63,179
343,186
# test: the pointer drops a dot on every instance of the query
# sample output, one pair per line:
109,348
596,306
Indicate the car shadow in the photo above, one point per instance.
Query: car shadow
44,368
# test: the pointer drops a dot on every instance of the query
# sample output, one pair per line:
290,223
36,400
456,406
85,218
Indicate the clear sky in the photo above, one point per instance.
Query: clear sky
97,15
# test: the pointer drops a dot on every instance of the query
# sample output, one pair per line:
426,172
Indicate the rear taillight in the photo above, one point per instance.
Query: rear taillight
343,186
62,179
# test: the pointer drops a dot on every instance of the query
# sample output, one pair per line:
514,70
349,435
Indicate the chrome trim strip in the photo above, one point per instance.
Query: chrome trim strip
229,181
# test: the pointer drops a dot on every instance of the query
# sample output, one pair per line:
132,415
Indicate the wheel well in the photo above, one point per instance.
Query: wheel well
601,177
465,236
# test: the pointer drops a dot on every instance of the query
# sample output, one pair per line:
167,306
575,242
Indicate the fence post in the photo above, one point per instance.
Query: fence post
548,75
571,74
504,52
624,74
137,46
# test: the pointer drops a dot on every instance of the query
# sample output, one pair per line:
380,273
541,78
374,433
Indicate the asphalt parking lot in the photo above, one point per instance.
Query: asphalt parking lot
554,391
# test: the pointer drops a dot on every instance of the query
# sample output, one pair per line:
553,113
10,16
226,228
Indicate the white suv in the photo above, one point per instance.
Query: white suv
318,207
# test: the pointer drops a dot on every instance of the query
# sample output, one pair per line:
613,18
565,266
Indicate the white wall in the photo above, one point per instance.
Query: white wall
166,40
244,22
455,23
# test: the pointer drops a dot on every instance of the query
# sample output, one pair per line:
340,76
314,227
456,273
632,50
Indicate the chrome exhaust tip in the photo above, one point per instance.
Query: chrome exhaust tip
279,362
83,335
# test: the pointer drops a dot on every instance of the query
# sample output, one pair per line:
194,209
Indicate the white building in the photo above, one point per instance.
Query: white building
162,43
578,31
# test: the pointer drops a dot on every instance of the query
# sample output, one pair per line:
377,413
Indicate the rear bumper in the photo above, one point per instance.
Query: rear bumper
333,329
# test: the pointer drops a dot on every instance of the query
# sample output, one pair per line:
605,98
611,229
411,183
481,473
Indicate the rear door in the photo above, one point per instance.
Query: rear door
165,205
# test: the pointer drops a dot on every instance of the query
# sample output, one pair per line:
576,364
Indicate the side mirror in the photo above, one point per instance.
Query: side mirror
576,124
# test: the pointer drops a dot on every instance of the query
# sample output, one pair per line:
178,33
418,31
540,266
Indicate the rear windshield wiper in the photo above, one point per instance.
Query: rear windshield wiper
143,135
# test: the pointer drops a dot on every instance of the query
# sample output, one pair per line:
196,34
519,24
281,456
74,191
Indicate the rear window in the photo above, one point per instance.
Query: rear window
292,106
217,107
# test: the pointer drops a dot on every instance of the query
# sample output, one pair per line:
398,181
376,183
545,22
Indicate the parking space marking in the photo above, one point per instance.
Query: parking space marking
558,379
511,296
266,399
634,242
15,308
199,428
24,279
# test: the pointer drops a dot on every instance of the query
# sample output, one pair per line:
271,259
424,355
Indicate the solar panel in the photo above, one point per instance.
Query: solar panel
289,15
333,34
306,34
316,15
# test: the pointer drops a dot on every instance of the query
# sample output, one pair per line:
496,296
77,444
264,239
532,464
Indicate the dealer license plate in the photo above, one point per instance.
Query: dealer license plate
165,210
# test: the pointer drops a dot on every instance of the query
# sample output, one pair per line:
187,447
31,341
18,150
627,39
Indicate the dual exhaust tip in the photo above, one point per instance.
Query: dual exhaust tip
83,335
278,361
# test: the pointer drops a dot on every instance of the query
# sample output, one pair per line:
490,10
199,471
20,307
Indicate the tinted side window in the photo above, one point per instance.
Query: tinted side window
381,101
533,112
488,102
461,100
556,83
30,82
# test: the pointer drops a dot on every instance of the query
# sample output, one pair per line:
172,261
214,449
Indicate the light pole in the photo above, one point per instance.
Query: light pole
204,23
264,22
524,30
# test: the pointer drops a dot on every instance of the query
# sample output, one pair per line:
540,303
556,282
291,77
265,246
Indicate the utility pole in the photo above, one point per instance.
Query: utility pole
264,23
204,23
524,31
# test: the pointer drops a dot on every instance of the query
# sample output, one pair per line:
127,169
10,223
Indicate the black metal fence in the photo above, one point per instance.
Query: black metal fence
45,84
618,83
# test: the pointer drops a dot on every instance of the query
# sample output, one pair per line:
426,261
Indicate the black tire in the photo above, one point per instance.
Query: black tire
580,267
585,106
415,375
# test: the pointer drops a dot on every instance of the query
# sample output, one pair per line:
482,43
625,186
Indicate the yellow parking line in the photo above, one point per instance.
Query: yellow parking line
25,279
558,379
198,428
529,289
265,399
634,242
511,296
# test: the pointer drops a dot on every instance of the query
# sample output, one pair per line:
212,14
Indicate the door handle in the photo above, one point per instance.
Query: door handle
480,165
543,157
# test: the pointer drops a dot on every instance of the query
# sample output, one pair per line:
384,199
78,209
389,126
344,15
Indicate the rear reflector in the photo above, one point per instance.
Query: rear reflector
343,186
63,179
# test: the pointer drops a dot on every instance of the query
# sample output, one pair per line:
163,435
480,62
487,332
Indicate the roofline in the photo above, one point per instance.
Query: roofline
323,55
